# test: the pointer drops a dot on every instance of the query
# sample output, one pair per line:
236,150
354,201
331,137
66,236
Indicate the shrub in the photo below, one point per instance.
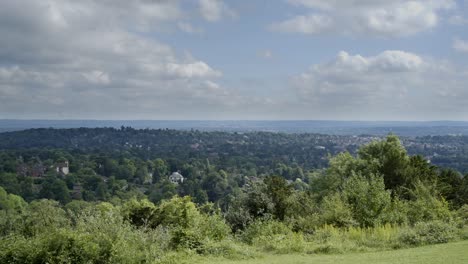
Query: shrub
329,239
462,214
261,228
302,214
335,211
427,205
139,213
43,216
368,199
229,249
426,233
273,236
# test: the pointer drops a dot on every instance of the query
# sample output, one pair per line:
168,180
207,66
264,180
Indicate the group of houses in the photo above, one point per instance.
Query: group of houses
38,170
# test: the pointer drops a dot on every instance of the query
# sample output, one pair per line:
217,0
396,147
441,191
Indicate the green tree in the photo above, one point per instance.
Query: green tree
390,158
368,199
160,170
279,190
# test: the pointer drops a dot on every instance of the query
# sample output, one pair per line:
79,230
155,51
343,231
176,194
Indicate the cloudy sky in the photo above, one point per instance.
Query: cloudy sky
243,59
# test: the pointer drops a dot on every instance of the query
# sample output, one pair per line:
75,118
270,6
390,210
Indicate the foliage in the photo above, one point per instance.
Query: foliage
120,207
368,199
433,232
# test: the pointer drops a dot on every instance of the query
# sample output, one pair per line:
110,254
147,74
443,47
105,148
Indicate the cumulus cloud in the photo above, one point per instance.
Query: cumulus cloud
460,45
392,83
75,59
197,69
377,17
309,24
458,20
214,10
189,28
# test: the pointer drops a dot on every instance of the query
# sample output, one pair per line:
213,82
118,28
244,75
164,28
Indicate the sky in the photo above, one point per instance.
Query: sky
234,60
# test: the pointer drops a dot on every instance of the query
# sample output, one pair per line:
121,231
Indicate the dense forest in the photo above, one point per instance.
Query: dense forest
163,196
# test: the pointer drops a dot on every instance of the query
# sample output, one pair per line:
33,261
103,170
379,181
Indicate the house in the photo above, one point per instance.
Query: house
176,178
62,168
22,170
38,170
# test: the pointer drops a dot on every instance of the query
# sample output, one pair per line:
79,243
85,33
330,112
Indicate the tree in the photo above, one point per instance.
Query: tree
61,192
160,170
55,189
390,158
162,190
215,184
126,170
368,199
450,185
279,190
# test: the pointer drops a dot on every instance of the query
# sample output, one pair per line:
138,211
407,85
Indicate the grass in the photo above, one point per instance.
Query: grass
451,253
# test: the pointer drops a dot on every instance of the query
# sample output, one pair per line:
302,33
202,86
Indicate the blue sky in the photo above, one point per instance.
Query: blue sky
214,59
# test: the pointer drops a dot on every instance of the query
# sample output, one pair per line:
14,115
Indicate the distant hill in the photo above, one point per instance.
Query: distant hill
402,128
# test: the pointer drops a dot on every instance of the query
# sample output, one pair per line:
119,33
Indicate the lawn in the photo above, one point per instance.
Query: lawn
445,253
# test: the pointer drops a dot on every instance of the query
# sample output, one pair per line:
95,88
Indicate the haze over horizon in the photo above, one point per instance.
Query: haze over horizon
234,60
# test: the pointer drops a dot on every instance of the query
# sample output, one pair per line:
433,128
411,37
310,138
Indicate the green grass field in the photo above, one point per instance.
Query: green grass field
445,253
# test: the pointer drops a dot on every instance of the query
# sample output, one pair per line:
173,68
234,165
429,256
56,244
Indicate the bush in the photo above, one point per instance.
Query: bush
427,205
426,233
329,239
335,211
368,199
97,237
273,236
229,249
281,244
43,216
188,227
462,214
261,228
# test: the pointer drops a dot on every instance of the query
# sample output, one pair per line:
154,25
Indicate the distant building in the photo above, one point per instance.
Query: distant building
176,178
36,170
62,168
22,170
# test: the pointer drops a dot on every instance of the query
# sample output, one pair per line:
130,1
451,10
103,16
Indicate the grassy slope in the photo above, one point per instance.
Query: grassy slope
445,253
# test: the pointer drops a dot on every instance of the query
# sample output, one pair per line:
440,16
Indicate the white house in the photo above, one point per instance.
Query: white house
176,178
62,168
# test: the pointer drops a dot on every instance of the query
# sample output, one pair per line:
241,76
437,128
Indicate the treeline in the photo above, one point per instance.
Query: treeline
226,149
381,198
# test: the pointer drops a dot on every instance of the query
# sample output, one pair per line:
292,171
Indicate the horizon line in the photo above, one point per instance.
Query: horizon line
234,120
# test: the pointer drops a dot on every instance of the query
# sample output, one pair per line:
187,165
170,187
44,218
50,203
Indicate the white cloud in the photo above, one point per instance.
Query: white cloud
92,57
214,10
197,69
460,45
366,17
188,28
389,85
309,24
458,20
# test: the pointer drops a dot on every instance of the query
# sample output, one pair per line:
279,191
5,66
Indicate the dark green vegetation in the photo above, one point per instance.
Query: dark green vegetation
242,194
